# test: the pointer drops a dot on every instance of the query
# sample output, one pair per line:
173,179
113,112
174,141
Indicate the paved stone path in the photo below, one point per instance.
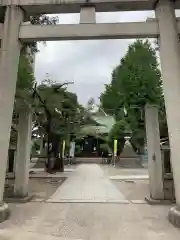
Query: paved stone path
87,184
87,220
130,177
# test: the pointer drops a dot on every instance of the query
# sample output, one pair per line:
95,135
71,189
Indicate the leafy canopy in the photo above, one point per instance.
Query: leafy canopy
135,82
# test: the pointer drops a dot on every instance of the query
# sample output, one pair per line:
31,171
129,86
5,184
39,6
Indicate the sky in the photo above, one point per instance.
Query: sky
88,64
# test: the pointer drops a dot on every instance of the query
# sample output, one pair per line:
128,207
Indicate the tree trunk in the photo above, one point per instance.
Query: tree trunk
48,163
56,148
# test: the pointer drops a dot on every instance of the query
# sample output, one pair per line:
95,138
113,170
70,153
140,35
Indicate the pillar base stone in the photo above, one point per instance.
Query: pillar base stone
19,199
152,201
4,212
174,216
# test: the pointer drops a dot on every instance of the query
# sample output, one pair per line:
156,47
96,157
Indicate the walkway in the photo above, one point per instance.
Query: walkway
87,184
88,221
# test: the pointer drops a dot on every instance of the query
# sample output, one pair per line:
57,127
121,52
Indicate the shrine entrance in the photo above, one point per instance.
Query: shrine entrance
14,30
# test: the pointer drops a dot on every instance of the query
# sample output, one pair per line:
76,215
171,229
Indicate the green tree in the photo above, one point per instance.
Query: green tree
135,82
25,82
25,78
110,99
57,112
118,132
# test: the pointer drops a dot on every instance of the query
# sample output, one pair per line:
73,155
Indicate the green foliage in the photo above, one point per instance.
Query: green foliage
25,80
118,130
62,107
111,100
135,82
140,75
77,149
138,138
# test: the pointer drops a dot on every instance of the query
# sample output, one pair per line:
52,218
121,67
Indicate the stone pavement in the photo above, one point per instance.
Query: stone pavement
87,184
104,220
88,221
129,177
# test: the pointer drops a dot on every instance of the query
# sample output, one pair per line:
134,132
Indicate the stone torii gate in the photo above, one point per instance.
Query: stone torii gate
13,32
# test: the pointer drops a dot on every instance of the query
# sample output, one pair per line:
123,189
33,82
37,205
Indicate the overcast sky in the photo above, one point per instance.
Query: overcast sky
88,63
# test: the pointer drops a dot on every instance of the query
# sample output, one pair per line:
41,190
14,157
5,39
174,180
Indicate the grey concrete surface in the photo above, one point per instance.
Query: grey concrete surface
64,32
87,184
132,183
4,212
87,221
130,177
133,189
111,171
174,216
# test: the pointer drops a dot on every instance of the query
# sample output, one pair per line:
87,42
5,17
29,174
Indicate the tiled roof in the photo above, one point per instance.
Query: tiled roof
105,125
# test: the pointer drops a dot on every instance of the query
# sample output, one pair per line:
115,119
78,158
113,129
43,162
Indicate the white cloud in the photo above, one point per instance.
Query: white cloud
88,63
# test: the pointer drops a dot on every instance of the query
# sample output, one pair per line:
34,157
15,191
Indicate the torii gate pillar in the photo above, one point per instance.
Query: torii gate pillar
170,64
10,51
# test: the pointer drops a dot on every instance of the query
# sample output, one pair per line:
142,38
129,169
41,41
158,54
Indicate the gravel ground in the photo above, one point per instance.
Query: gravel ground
42,188
67,221
109,170
133,190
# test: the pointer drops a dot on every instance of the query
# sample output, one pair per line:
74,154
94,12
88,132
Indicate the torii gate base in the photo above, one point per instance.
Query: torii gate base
165,26
4,212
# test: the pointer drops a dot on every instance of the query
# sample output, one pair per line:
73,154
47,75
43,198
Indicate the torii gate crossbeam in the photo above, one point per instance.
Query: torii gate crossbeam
88,31
74,6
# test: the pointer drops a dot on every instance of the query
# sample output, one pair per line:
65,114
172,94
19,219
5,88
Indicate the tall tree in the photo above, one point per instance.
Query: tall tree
135,82
57,112
26,79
